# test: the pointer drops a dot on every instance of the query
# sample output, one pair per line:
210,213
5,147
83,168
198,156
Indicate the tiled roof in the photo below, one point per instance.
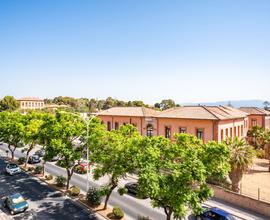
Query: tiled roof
203,112
130,111
30,99
254,111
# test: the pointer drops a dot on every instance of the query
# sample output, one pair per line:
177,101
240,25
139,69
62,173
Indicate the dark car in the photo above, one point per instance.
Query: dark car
215,214
133,188
40,153
34,159
15,203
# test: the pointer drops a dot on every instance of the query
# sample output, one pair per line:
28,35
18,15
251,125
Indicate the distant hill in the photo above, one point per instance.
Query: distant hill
235,103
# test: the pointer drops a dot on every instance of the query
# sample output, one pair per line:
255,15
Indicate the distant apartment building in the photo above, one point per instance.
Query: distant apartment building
31,103
207,123
257,116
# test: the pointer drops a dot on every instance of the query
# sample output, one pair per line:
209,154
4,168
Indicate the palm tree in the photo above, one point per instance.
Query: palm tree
241,157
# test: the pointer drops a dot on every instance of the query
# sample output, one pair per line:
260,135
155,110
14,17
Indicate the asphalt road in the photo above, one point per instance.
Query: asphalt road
44,202
133,206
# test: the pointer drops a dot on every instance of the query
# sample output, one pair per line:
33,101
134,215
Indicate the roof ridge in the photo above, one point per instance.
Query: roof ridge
204,107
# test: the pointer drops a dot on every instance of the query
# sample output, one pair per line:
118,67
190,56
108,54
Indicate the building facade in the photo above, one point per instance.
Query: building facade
207,123
257,116
31,103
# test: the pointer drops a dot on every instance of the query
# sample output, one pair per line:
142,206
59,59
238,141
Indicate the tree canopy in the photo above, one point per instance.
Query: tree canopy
174,174
8,103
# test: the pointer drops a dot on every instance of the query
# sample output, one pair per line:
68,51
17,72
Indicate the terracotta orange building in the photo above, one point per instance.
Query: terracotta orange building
205,122
257,116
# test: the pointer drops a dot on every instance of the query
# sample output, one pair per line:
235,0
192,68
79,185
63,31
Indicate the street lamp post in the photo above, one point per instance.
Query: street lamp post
87,122
87,150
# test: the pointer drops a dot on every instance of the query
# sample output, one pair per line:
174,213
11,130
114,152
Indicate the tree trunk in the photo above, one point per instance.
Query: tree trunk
12,154
43,167
27,158
236,176
28,152
68,178
108,196
168,213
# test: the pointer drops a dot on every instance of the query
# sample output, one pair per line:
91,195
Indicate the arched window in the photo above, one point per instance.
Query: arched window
149,130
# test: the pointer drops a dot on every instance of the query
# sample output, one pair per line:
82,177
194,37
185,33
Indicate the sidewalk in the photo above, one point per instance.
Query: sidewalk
4,216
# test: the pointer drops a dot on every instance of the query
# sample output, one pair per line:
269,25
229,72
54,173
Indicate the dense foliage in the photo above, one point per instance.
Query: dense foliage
8,103
94,196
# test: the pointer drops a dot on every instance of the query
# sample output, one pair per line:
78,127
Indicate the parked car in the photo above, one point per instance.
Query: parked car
16,203
40,152
34,159
12,168
133,188
83,165
215,214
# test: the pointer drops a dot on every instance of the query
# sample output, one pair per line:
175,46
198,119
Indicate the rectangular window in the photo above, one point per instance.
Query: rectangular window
227,132
182,130
149,130
238,131
167,132
199,133
242,130
231,134
221,135
234,132
109,126
116,126
254,122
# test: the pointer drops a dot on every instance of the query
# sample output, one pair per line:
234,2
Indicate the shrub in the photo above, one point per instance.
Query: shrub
61,181
94,196
118,212
22,160
143,218
260,153
49,177
38,169
122,191
30,169
78,169
75,191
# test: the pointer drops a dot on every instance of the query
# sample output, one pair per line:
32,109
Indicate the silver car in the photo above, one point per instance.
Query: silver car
13,168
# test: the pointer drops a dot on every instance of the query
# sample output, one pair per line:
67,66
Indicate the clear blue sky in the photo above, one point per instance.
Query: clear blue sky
190,51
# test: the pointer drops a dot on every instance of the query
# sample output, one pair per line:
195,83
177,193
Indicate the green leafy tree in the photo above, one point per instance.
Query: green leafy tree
174,174
11,130
255,135
266,105
65,141
45,135
115,156
166,104
32,127
241,158
8,103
